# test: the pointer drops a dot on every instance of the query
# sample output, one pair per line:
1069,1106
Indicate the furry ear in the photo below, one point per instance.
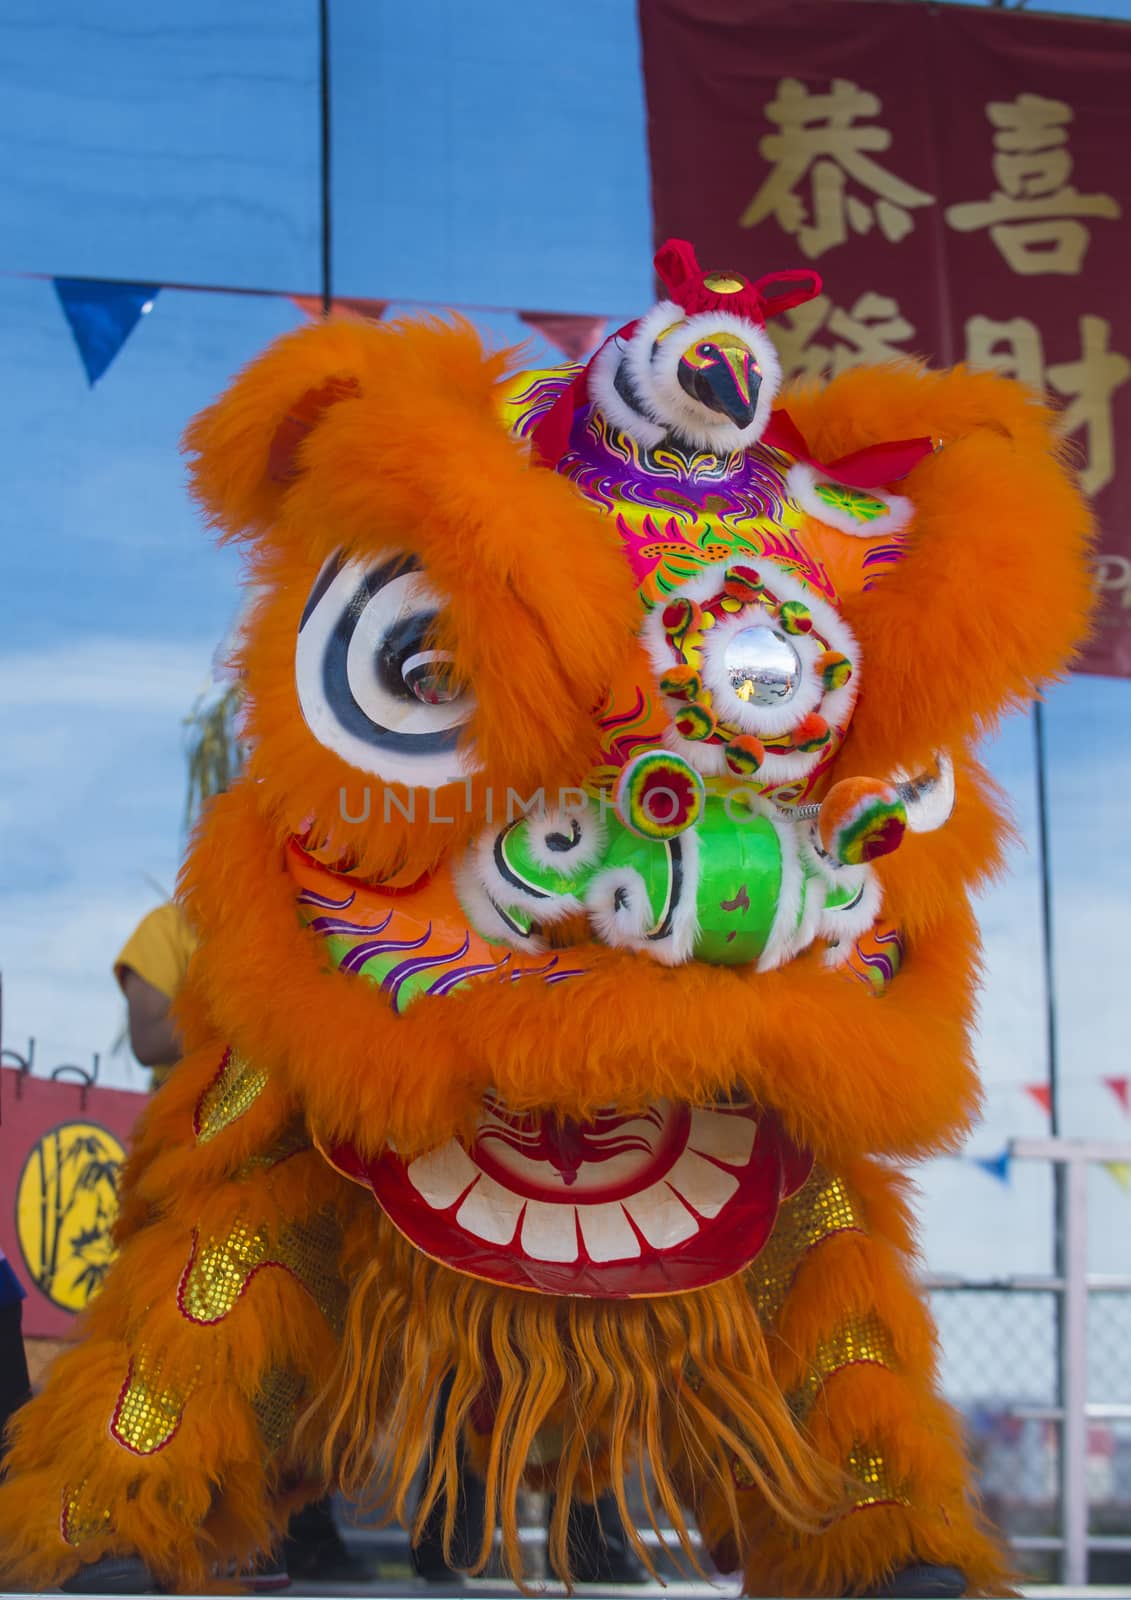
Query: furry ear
247,447
993,592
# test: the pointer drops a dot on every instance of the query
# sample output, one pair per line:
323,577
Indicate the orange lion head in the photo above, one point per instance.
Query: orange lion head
562,889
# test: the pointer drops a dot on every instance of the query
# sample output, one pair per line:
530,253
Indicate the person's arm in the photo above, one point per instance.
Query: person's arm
153,1038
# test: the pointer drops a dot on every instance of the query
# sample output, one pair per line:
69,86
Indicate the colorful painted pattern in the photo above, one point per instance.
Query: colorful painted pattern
676,511
875,958
409,944
855,503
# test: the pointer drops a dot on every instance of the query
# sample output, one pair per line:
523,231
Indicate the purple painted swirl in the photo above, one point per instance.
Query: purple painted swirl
399,975
458,975
308,897
362,953
328,925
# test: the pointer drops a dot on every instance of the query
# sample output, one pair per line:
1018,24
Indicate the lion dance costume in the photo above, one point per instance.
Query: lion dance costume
588,939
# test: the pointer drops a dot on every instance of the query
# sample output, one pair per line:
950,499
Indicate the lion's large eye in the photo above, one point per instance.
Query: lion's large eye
370,684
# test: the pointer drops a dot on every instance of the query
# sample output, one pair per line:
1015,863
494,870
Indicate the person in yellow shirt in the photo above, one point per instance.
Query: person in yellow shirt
150,968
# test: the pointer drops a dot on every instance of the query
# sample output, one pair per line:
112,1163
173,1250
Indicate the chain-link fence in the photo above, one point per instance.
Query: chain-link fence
1001,1351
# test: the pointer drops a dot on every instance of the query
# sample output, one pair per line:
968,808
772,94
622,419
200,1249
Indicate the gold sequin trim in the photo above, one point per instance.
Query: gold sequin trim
821,1208
289,1143
219,1271
873,1484
862,1338
146,1417
275,1407
234,1090
79,1520
310,1250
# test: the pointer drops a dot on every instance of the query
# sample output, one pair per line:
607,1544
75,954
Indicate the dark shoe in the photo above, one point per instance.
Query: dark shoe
923,1581
599,1551
428,1558
112,1575
315,1549
331,1561
431,1567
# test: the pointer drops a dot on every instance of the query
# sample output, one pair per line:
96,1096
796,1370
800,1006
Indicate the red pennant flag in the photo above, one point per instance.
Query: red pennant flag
575,336
312,305
1121,1089
1042,1094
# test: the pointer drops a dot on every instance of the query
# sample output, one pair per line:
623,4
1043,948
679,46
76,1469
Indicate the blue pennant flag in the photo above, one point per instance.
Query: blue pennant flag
997,1166
102,317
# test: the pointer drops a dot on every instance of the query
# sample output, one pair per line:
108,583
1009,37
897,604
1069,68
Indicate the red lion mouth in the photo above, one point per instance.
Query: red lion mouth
665,1200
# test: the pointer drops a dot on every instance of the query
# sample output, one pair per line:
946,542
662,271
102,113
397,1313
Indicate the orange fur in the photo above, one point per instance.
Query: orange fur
391,445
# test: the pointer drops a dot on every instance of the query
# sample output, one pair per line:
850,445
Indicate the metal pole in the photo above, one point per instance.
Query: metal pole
327,210
1074,1374
1060,1171
1047,929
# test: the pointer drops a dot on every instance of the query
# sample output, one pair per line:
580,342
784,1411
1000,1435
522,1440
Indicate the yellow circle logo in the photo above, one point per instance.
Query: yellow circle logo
66,1205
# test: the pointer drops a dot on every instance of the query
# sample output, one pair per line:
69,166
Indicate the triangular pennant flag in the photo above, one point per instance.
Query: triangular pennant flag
1042,1094
1120,1171
1121,1089
102,317
997,1166
312,305
575,336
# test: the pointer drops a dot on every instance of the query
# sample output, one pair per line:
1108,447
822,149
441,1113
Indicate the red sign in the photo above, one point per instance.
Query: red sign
959,177
63,1144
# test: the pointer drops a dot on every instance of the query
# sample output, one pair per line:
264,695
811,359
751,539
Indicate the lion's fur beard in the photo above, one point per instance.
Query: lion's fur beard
574,1395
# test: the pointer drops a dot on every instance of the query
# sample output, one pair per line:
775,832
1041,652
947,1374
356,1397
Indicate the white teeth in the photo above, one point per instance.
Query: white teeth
725,1135
607,1233
704,1186
490,1212
549,1233
661,1217
442,1175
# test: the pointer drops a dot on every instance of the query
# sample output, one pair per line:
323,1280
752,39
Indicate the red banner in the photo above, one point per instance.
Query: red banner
63,1144
961,179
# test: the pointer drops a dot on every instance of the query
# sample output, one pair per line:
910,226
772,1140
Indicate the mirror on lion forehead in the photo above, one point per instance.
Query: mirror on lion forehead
761,666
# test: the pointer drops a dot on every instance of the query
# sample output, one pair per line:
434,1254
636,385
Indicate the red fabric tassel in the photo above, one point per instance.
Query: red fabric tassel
870,468
549,438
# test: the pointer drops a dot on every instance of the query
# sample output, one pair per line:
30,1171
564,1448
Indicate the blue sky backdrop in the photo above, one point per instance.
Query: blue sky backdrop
488,156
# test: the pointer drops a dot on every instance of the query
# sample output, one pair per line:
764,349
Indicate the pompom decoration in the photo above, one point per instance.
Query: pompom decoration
861,819
743,583
795,617
812,733
745,755
696,722
835,669
659,795
681,616
682,683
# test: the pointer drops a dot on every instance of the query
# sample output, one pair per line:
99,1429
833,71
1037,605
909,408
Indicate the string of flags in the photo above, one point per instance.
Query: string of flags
102,313
1000,1164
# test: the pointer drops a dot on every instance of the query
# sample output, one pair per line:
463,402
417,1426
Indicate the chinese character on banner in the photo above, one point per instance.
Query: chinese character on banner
825,139
1033,216
961,177
819,337
1085,385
